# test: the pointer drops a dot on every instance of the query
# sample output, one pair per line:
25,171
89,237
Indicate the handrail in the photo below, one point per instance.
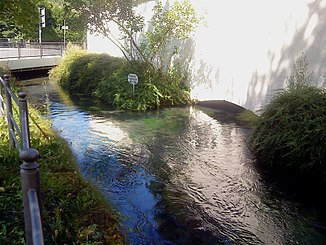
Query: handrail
35,218
29,169
19,50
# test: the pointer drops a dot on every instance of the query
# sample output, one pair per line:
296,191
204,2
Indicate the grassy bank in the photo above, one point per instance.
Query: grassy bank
74,212
103,77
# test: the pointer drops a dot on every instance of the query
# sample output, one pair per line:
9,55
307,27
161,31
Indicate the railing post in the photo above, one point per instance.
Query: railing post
1,103
61,49
41,51
8,108
19,53
30,179
24,123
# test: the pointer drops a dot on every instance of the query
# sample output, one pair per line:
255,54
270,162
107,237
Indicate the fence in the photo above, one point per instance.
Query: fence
19,50
19,137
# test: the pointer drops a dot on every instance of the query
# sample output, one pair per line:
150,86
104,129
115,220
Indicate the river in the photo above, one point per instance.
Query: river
179,176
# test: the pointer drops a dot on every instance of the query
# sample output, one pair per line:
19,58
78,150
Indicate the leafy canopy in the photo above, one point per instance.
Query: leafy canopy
59,13
175,24
19,17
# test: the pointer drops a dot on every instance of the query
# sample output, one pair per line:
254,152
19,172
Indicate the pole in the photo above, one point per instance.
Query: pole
64,35
133,90
19,52
30,179
40,33
24,124
9,108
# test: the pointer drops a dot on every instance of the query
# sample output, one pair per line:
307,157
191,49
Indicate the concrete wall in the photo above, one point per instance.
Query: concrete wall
34,63
246,49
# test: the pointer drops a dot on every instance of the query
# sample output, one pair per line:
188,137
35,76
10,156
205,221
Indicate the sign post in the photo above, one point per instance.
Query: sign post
133,80
64,28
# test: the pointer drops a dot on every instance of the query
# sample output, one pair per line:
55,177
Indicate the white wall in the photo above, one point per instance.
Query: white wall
247,48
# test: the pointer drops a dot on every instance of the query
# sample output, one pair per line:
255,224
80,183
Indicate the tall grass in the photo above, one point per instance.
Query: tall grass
291,132
73,210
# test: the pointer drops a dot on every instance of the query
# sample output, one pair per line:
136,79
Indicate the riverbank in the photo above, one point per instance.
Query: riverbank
227,112
73,209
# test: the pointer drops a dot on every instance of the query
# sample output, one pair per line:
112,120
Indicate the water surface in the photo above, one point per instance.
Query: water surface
179,176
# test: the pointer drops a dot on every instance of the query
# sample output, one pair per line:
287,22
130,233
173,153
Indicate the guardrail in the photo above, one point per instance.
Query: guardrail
19,50
19,137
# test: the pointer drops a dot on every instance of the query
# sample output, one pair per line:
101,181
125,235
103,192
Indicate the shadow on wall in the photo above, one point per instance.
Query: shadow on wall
310,38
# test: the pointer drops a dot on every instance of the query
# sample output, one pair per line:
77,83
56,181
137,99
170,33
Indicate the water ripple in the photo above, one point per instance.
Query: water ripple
180,177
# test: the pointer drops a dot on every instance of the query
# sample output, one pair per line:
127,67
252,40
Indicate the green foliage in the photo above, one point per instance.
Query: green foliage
56,13
161,82
49,33
100,12
175,24
152,91
4,70
104,77
19,17
73,211
62,72
247,118
290,134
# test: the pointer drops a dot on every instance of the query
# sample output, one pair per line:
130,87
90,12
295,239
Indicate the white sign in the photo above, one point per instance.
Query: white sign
133,79
64,27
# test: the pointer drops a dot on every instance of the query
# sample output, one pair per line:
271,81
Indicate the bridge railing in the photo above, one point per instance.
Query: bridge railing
20,50
19,137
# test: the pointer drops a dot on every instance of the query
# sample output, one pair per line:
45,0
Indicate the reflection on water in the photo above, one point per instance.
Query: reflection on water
180,177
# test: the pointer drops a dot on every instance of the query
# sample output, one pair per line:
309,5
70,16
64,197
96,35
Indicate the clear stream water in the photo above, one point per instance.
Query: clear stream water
179,176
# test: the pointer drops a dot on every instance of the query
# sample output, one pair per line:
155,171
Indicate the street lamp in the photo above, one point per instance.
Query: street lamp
64,28
42,23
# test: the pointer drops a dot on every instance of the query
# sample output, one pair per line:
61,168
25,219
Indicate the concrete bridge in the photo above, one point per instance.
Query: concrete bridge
27,56
30,64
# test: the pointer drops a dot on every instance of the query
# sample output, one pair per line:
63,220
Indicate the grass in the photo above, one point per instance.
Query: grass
290,133
74,211
247,118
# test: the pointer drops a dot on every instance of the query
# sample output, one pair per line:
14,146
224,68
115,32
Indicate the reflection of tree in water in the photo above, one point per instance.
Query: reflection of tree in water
173,157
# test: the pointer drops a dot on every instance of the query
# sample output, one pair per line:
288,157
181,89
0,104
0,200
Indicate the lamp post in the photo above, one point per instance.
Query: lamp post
64,28
42,23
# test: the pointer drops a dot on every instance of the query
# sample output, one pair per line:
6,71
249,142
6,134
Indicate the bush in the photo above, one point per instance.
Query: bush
105,78
153,90
62,71
290,134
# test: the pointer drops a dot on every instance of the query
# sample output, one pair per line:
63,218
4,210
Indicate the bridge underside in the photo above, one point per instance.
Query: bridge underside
30,64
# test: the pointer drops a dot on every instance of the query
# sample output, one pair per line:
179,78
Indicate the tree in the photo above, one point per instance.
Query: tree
59,12
100,13
168,25
175,24
19,17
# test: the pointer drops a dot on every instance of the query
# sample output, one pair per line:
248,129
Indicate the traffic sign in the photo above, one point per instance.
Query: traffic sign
133,79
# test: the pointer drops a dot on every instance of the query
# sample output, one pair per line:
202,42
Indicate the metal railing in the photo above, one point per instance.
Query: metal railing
20,50
19,137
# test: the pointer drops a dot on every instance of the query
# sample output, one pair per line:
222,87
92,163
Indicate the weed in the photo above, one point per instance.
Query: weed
290,133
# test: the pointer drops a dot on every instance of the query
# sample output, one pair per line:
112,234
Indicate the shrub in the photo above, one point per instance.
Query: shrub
62,71
290,134
153,90
105,78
